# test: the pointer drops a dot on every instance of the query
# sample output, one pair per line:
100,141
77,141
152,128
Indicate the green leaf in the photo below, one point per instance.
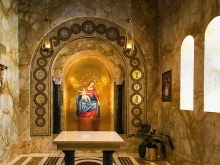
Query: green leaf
163,149
142,150
145,126
170,141
143,131
157,141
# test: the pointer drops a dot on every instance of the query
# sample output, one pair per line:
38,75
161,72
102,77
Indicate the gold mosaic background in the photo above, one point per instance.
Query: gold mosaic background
79,74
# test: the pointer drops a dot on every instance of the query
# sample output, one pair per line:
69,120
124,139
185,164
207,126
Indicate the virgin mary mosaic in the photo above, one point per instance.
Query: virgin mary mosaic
87,102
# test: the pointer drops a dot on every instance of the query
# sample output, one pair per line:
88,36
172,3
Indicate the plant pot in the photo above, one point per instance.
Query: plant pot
151,154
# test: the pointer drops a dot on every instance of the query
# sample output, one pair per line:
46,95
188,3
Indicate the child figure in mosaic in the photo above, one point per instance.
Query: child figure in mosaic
84,94
88,108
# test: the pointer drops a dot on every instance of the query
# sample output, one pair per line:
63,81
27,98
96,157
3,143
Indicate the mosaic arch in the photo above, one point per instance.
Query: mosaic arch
79,28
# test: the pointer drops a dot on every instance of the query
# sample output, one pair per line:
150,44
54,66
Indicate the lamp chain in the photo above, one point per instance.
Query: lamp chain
129,9
131,27
47,9
47,19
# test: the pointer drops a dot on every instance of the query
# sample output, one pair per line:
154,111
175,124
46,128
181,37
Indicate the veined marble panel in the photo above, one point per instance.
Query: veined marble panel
9,97
195,133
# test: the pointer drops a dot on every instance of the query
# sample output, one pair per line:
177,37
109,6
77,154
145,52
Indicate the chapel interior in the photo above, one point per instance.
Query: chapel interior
175,38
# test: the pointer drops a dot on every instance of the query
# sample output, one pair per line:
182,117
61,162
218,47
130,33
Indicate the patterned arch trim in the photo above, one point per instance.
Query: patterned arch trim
40,89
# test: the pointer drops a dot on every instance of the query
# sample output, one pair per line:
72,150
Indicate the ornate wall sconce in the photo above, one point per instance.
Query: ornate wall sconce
2,68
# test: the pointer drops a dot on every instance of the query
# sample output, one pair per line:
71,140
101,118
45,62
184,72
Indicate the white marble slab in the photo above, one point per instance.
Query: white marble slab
88,140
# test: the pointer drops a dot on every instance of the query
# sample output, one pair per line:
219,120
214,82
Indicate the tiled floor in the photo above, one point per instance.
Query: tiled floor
56,158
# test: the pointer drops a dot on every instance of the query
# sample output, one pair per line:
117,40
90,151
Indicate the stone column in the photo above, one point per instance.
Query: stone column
69,157
108,157
56,105
118,113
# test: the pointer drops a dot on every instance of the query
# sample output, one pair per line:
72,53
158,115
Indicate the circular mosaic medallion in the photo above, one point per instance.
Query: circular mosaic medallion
64,33
40,121
100,29
40,74
136,122
136,87
40,111
40,99
136,99
40,86
112,33
136,111
42,62
76,28
136,74
88,27
134,62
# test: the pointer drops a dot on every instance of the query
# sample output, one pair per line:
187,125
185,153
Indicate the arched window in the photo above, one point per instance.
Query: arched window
187,74
212,67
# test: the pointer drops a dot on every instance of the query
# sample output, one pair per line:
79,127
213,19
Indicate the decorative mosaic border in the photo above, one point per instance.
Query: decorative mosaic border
78,28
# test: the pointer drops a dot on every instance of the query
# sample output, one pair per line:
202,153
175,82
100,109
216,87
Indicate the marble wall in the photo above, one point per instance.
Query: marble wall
159,28
9,97
32,28
195,133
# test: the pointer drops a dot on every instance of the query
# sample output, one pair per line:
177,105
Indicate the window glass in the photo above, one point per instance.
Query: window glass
187,74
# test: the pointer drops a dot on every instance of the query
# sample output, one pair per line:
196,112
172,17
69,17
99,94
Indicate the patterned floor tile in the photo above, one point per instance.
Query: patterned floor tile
80,158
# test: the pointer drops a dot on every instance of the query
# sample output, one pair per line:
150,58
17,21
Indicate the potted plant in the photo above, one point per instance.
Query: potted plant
148,147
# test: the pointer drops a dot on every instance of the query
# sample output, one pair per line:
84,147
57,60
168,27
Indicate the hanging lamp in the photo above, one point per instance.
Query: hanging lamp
47,45
129,36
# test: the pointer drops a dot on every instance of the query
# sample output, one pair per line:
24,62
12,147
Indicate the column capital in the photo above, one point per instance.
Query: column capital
119,80
57,80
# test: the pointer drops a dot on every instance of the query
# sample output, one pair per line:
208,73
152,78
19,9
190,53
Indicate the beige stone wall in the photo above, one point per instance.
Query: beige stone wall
9,98
195,133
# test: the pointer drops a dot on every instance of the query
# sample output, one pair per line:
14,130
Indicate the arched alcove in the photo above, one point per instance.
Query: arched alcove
79,74
77,71
84,31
